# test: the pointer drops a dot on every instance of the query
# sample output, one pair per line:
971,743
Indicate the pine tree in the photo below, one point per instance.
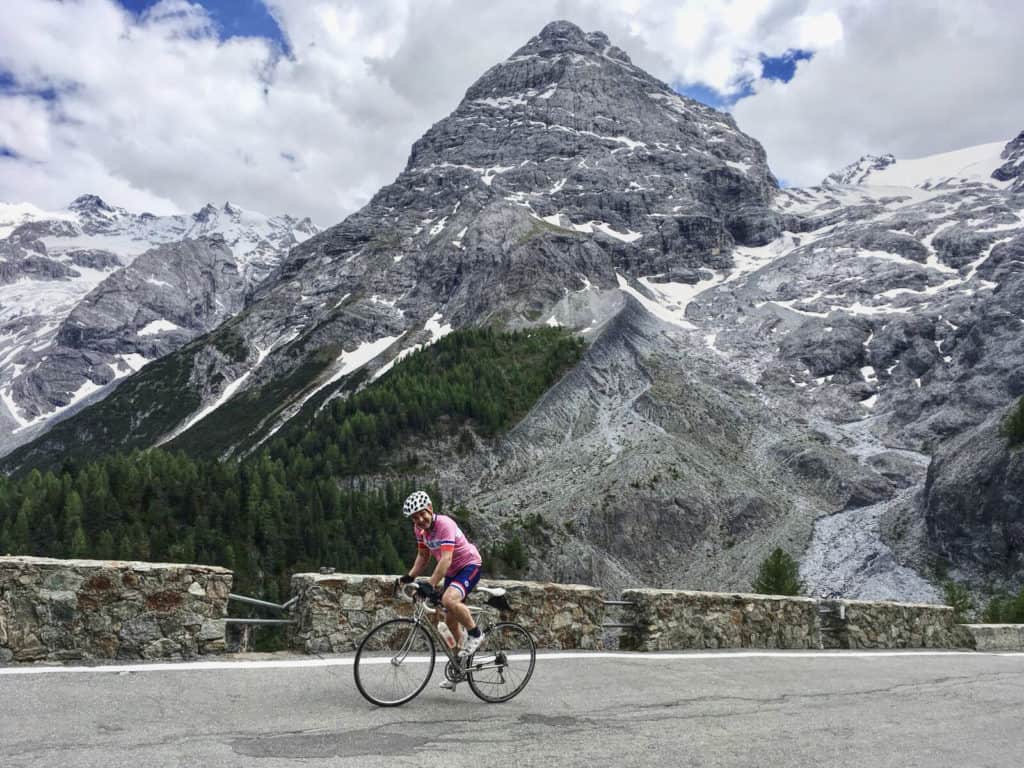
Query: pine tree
72,522
105,547
126,549
958,598
1013,427
79,547
19,541
779,574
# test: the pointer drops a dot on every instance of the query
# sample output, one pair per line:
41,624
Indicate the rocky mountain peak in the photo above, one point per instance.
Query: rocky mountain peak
1013,168
859,171
566,127
561,37
85,204
206,213
96,216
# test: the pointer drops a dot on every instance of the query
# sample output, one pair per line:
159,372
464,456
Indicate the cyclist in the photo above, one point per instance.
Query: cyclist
458,563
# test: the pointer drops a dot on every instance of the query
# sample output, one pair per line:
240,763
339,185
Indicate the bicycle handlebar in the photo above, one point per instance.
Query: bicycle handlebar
411,592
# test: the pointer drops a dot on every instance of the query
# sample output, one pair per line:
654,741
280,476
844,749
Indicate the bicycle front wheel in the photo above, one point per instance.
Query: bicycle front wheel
394,662
503,665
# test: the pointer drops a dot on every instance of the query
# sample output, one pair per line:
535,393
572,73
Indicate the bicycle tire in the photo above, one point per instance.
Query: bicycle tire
400,638
507,650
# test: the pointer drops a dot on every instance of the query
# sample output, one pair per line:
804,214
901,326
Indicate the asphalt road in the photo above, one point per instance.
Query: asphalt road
696,709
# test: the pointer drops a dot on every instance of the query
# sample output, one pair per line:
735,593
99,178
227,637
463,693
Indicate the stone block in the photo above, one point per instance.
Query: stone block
211,630
164,648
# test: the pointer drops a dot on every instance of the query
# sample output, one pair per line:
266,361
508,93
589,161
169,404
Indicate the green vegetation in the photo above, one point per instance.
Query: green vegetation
301,502
235,420
508,559
1013,427
959,599
778,574
479,376
1005,609
540,228
228,341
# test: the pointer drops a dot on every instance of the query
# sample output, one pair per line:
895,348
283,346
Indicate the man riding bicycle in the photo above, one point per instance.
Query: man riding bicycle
458,563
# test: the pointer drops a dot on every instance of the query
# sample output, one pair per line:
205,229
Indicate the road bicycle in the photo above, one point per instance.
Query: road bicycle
395,660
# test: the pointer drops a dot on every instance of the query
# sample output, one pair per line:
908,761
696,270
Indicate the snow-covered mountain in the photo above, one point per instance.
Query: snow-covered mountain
766,367
895,326
92,293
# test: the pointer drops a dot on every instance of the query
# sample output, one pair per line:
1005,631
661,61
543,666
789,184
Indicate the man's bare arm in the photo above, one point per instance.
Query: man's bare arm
442,568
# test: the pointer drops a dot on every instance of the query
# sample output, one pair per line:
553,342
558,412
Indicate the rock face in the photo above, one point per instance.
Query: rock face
759,358
61,610
974,504
80,308
1013,169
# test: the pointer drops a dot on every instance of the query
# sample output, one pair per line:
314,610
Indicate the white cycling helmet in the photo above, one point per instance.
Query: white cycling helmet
416,501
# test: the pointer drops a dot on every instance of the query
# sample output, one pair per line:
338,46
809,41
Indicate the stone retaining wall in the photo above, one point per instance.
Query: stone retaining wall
57,610
996,637
673,620
334,611
865,624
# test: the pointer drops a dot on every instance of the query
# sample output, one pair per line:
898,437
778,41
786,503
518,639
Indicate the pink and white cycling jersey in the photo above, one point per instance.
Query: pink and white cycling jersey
444,535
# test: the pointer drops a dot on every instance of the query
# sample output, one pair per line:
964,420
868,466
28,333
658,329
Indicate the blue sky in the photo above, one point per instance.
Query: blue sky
233,18
781,68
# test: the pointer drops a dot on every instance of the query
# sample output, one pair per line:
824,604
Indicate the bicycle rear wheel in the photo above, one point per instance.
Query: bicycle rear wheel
394,662
503,664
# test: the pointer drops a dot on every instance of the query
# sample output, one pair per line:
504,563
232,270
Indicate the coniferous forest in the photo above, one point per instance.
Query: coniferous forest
304,500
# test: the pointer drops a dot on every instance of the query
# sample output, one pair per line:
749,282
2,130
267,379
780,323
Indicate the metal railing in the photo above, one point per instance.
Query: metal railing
283,608
615,624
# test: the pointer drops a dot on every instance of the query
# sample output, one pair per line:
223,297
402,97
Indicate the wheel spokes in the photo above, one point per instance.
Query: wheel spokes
394,662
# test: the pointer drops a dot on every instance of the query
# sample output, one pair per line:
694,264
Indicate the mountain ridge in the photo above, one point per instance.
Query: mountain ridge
94,292
763,363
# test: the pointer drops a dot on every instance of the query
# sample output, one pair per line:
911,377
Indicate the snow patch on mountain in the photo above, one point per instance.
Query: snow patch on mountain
971,164
13,215
158,326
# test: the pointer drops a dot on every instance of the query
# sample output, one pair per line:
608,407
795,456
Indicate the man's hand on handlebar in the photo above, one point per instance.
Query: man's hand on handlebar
407,579
428,592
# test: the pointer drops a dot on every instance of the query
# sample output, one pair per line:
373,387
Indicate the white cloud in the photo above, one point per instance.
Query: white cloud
157,113
912,78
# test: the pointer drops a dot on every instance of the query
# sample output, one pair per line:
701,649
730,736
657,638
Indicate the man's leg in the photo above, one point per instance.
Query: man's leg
458,613
452,600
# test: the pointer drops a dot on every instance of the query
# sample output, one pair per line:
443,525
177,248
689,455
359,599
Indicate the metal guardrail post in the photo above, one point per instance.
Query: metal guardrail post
261,604
259,622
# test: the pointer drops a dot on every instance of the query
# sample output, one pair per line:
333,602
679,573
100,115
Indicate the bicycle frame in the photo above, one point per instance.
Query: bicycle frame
458,662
